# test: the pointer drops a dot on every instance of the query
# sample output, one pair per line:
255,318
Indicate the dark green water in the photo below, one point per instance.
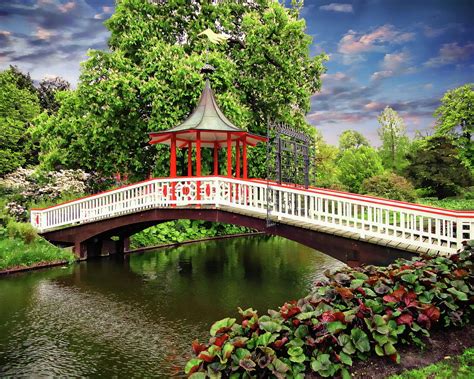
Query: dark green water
136,316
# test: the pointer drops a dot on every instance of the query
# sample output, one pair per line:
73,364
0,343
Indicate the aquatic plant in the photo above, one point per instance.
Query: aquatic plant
352,314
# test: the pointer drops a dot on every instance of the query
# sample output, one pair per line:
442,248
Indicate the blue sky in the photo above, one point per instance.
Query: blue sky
402,53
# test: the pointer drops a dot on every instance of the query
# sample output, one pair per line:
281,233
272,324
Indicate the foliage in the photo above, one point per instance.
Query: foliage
183,230
356,165
455,204
47,90
351,139
18,107
457,367
150,81
431,166
456,118
351,315
16,252
390,186
327,171
395,142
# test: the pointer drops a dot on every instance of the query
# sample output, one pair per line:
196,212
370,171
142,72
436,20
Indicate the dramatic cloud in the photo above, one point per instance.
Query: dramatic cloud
49,37
452,53
355,43
394,64
337,7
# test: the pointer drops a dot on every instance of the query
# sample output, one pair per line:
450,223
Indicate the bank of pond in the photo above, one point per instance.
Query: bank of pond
85,319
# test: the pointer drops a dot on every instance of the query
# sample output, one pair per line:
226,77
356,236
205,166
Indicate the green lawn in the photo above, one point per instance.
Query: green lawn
16,253
460,367
456,204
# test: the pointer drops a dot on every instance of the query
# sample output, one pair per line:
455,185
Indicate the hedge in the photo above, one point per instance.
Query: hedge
353,314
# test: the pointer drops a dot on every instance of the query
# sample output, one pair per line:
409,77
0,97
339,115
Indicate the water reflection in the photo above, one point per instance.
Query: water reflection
136,316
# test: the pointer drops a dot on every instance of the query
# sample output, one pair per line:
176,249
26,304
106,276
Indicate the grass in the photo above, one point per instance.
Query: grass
455,204
20,246
460,367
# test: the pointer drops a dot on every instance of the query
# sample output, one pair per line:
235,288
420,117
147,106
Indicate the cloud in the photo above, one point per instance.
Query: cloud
394,64
43,34
337,7
50,37
107,9
451,53
374,106
355,43
379,75
65,8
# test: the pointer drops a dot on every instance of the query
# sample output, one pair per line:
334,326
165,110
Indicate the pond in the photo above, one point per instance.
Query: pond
137,315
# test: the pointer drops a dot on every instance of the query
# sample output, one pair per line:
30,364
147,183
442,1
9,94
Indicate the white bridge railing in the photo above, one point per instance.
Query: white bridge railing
411,224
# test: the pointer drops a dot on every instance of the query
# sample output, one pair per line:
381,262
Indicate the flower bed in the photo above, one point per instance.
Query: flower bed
353,314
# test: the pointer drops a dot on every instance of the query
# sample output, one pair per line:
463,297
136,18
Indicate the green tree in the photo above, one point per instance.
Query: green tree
18,107
358,164
351,139
455,117
395,142
435,165
150,81
47,90
327,171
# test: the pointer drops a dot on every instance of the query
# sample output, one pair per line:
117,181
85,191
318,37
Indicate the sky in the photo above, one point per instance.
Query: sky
400,53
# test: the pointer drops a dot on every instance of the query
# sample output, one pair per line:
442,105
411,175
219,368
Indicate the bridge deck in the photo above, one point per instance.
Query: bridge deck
406,226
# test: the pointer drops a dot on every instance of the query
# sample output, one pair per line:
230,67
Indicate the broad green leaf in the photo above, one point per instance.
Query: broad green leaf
223,324
345,358
360,340
191,364
335,327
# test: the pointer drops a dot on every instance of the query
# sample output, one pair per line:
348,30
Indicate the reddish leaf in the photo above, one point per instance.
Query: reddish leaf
328,316
296,322
206,357
405,267
290,309
198,347
345,293
410,299
405,318
424,321
432,312
395,296
419,264
278,344
339,316
361,291
372,280
221,339
460,273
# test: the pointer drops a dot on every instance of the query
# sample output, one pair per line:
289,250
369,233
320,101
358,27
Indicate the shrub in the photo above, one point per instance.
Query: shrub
353,314
21,230
355,165
390,186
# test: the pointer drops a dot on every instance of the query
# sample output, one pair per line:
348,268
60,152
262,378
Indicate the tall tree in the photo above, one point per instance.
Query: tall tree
455,117
358,164
351,139
18,107
150,80
48,87
435,165
395,142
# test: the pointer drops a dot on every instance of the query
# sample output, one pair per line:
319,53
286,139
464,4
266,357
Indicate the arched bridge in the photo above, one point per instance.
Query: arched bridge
350,227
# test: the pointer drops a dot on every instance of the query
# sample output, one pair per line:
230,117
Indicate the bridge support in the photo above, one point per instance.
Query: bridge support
99,247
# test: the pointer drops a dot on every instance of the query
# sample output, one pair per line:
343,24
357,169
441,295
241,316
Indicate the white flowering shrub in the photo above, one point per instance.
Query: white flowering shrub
16,210
29,185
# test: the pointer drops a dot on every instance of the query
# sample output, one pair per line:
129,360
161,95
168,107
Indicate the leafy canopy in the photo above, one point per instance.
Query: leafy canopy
18,107
435,164
351,139
395,142
150,81
456,118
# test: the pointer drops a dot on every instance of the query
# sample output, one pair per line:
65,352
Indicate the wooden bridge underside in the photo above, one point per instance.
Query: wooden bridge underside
97,238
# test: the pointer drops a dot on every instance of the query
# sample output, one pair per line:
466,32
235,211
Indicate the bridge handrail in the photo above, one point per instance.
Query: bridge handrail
368,216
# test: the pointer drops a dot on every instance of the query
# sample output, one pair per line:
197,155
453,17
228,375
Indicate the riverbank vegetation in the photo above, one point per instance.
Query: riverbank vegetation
352,315
461,366
20,247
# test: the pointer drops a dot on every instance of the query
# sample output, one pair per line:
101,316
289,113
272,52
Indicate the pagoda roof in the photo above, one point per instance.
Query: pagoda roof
213,126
